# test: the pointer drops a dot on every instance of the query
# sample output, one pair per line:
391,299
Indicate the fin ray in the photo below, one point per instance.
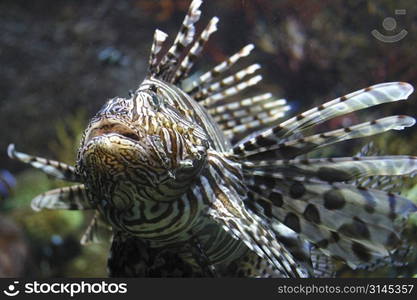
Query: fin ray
51,167
72,198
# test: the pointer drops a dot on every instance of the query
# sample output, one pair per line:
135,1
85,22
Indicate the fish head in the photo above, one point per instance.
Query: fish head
142,142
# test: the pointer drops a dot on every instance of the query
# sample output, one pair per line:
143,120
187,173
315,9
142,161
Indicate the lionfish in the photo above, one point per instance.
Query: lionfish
194,182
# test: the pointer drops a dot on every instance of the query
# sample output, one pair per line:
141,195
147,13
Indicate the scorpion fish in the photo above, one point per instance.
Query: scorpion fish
193,179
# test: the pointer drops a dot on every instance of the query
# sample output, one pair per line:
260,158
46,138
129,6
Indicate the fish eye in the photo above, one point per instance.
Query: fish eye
155,100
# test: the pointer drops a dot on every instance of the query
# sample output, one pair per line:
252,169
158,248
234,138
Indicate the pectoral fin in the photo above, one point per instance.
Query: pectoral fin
71,198
51,167
97,231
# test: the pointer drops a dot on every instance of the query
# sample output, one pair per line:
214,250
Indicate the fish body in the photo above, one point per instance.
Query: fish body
196,181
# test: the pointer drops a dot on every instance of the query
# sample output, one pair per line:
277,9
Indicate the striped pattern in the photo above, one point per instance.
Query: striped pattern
218,70
197,181
226,82
212,99
185,36
242,117
335,169
198,46
307,144
158,41
341,220
227,208
72,198
375,95
322,264
54,168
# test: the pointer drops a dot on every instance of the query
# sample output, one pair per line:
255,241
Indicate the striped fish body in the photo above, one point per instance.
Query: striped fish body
193,181
165,203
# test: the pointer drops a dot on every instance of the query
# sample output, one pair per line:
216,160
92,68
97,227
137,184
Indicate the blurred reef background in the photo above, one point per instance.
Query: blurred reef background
62,59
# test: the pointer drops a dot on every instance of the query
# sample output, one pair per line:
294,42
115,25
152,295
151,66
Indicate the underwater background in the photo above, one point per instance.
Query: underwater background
62,59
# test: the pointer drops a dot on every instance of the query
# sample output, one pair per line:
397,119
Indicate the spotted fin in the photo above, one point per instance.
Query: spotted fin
356,225
227,208
319,264
54,168
72,198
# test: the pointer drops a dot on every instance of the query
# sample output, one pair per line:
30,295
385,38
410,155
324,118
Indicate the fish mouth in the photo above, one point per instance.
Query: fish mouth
110,128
